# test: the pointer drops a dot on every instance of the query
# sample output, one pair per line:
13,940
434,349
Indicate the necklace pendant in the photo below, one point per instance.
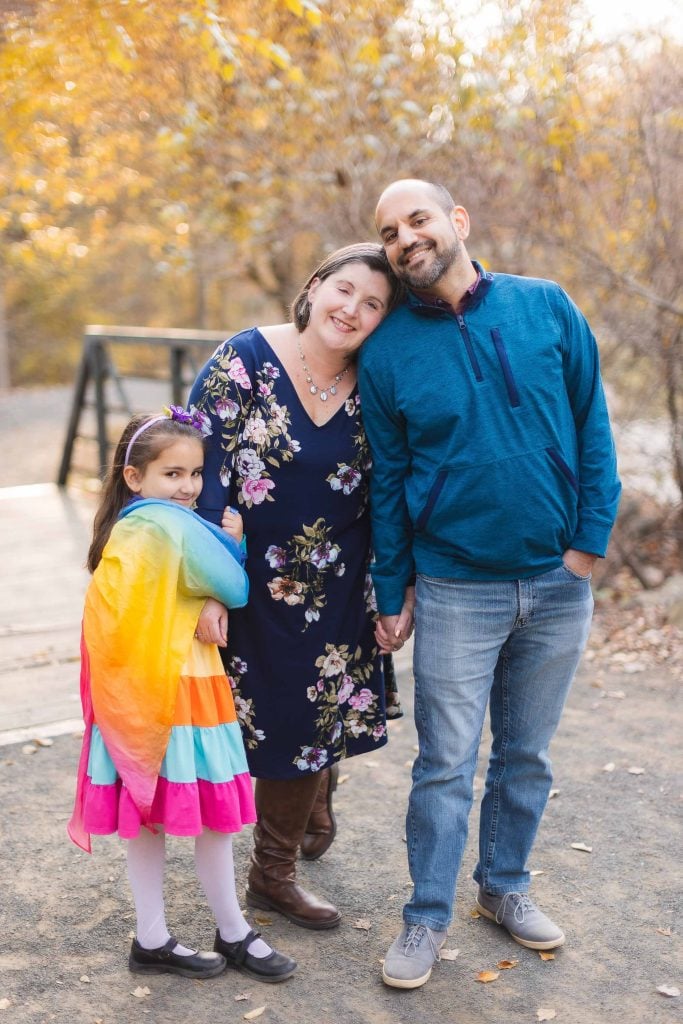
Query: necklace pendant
333,389
323,396
313,389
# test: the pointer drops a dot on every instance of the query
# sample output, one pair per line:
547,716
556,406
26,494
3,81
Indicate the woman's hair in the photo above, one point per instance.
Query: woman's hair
145,448
370,253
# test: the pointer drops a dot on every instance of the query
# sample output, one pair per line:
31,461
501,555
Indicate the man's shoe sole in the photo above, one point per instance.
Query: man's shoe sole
548,944
406,982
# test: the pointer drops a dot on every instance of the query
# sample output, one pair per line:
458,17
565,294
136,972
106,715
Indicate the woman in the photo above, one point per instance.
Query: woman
288,448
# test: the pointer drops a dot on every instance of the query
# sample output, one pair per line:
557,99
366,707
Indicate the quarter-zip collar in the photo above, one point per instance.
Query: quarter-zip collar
428,306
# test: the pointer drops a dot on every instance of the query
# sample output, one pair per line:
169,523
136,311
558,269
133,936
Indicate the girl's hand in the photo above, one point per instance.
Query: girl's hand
231,522
212,624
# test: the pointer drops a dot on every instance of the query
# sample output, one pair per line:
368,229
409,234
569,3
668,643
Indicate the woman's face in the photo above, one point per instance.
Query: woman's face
347,306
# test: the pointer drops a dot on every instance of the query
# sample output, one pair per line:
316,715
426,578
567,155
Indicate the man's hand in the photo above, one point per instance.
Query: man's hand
580,562
212,624
392,631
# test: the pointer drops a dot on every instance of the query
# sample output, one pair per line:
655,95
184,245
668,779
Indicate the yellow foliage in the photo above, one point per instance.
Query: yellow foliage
369,51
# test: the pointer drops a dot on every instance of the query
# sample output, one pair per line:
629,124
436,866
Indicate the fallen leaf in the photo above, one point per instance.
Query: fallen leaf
534,873
449,954
43,741
253,1014
28,748
416,748
262,919
5,1004
507,965
408,764
669,990
140,992
486,976
636,771
553,793
609,767
543,1013
362,924
665,931
342,779
544,955
475,914
582,847
85,979
241,996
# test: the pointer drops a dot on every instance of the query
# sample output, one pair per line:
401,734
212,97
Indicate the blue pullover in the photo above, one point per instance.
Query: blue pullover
490,437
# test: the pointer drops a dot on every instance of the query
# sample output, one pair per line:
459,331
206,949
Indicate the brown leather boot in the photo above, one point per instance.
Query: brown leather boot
321,827
284,807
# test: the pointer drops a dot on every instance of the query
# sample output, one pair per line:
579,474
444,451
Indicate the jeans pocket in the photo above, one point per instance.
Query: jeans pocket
575,575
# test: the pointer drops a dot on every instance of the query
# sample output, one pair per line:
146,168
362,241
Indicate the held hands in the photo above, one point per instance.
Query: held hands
231,522
212,624
392,631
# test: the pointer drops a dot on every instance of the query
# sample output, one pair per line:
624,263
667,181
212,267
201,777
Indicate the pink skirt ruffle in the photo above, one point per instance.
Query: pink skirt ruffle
181,808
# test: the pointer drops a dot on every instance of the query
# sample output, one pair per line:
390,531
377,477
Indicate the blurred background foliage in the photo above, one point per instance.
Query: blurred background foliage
184,162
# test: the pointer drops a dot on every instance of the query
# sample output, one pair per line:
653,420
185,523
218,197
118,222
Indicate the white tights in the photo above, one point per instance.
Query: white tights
216,872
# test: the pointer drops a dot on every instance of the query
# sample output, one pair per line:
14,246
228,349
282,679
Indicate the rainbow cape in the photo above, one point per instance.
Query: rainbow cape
158,567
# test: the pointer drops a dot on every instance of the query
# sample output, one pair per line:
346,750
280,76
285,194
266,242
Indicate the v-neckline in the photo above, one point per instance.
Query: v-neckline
318,426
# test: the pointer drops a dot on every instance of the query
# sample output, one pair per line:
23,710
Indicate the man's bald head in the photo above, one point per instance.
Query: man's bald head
417,187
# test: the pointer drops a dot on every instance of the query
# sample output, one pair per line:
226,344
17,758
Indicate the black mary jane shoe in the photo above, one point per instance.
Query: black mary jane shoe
164,961
272,968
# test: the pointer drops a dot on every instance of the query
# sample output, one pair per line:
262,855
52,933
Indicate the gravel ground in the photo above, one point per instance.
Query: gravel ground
65,917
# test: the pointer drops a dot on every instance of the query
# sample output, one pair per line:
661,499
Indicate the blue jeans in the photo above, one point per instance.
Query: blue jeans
514,644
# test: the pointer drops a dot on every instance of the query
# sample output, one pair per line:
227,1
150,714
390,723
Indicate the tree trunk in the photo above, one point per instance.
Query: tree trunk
5,379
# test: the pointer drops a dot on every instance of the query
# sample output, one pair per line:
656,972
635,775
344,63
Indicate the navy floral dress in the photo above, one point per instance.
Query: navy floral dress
308,681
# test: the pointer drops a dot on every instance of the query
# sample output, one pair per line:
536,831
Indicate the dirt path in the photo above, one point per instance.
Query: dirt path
65,916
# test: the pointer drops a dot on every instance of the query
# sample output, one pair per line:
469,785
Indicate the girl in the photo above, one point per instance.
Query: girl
162,750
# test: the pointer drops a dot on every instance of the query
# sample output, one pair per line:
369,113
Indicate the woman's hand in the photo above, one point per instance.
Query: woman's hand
212,624
392,631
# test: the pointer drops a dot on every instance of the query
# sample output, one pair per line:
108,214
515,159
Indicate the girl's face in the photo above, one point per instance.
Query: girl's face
347,306
175,475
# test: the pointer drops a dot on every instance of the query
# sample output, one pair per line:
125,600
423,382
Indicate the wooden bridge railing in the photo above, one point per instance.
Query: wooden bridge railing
180,355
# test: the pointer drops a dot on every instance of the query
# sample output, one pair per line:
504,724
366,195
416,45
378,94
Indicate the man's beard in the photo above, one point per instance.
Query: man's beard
426,277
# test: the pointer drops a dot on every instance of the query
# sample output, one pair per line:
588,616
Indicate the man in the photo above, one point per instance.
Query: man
494,484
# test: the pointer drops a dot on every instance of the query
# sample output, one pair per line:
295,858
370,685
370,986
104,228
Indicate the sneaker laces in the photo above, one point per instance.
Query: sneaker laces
413,940
521,902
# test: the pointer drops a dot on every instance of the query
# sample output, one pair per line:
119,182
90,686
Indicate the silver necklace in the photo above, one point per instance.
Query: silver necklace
314,388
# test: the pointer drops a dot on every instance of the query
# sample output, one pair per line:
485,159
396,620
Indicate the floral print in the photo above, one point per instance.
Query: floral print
262,438
236,669
345,707
308,681
304,563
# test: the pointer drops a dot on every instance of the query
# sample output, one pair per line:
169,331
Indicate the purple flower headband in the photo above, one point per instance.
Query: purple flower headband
192,416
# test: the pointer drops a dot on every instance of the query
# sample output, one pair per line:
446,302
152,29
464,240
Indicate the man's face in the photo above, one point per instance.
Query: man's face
419,237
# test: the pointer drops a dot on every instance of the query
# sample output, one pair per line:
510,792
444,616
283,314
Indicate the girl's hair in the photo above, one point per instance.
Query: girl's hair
370,253
146,447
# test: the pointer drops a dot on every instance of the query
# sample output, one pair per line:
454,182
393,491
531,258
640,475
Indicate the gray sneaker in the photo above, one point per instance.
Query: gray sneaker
409,960
522,918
